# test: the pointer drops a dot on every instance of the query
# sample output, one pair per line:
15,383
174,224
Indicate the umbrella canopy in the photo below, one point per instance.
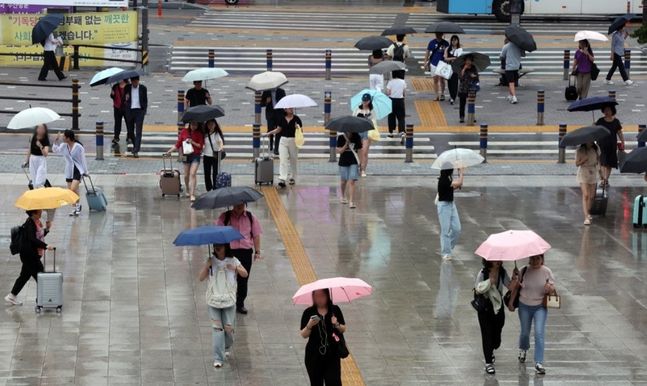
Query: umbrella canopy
590,35
32,117
45,26
636,161
456,159
102,77
295,101
224,197
584,135
46,198
642,136
480,61
267,80
127,74
371,43
349,124
445,27
399,30
521,38
388,66
618,23
201,74
206,235
592,103
203,113
342,290
382,105
512,246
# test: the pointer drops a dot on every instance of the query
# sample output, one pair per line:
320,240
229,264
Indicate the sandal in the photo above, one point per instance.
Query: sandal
352,205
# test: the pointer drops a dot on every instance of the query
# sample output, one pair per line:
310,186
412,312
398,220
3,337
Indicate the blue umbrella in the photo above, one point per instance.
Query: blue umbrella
592,103
207,235
381,102
45,26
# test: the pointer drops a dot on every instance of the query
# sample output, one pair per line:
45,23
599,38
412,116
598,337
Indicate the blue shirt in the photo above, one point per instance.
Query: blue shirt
618,43
437,50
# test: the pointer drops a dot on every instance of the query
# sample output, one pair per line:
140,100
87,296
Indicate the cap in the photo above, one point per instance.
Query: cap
366,97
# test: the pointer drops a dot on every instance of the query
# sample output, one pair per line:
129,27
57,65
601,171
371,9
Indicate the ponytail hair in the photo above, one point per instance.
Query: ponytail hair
69,134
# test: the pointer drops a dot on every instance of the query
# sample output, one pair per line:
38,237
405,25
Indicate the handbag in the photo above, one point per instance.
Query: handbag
552,300
480,303
187,148
508,295
444,70
299,140
340,344
595,71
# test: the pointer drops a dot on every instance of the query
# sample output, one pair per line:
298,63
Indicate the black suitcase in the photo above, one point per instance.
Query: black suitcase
571,91
600,201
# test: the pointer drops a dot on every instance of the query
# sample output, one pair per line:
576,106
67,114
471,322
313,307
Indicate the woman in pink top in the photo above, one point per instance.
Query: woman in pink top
191,137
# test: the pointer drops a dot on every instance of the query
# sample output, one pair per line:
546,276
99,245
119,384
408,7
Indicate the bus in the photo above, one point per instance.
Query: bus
501,8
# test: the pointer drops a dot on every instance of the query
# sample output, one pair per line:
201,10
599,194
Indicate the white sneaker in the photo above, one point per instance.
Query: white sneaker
539,369
447,257
513,100
609,82
217,364
508,98
629,82
363,174
11,299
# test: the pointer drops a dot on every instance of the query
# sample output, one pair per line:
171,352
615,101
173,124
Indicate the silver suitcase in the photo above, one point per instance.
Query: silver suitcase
264,168
49,288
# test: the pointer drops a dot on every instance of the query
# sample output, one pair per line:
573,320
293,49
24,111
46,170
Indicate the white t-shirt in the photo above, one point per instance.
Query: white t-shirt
217,264
396,87
215,140
52,42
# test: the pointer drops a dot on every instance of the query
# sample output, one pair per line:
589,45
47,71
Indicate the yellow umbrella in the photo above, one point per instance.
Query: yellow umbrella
46,198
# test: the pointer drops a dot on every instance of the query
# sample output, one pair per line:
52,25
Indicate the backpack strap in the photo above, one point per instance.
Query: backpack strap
227,221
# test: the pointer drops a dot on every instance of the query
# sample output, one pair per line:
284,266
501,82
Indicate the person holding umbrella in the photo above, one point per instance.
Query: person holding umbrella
273,116
49,58
587,160
582,67
469,79
118,96
435,53
285,131
618,53
450,223
451,53
212,152
609,145
365,110
511,54
196,96
396,89
191,143
348,144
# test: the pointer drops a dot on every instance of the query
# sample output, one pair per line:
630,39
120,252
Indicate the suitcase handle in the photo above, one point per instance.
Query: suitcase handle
86,185
45,260
170,158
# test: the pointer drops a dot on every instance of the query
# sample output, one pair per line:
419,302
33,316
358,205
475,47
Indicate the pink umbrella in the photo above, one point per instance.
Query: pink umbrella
342,290
512,246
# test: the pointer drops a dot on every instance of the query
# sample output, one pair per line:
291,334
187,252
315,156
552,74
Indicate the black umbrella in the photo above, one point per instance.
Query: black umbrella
618,23
203,113
399,30
445,27
592,103
642,136
481,61
585,135
45,26
224,197
636,161
350,124
371,43
521,38
128,74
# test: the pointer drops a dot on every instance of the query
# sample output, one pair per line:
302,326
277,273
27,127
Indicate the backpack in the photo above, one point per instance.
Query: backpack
398,52
227,221
16,239
220,292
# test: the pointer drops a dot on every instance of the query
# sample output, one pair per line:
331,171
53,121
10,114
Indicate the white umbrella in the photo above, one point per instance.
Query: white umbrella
590,35
456,159
101,77
33,117
204,74
295,101
267,80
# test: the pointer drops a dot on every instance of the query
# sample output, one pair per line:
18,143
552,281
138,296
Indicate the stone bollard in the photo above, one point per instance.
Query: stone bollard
483,141
211,58
328,64
257,107
471,108
408,143
562,150
180,105
268,59
256,140
332,136
628,62
641,128
567,63
99,141
541,98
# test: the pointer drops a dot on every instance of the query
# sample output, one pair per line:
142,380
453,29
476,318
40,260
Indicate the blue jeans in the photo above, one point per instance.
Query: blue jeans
222,338
450,226
526,316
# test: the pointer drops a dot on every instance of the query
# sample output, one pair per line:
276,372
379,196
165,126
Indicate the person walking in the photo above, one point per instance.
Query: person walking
609,145
375,81
196,96
347,147
536,281
582,66
288,152
76,166
136,105
365,110
587,160
399,51
221,298
190,143
435,53
395,89
39,147
320,324
617,55
32,249
118,95
469,79
490,283
49,58
269,99
247,249
511,53
212,153
451,53
450,223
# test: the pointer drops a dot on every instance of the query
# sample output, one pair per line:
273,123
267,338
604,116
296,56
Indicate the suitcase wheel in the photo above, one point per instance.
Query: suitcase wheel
163,194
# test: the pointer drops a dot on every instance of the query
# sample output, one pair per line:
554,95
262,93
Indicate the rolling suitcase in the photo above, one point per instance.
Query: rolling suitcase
96,199
600,201
223,179
639,215
571,91
30,184
170,179
49,288
264,168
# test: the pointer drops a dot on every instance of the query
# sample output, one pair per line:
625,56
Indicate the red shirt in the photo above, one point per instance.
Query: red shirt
195,135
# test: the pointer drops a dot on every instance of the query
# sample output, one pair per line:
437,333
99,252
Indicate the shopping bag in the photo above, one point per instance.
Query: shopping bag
299,139
444,70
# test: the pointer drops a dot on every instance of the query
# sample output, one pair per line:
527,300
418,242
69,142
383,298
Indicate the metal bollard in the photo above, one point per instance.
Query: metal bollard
540,107
483,141
268,58
471,108
567,63
99,141
408,143
180,105
332,135
628,62
612,94
211,56
562,150
328,64
641,128
256,140
75,104
257,107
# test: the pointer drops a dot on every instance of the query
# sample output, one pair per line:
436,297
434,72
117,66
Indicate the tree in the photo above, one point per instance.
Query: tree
641,33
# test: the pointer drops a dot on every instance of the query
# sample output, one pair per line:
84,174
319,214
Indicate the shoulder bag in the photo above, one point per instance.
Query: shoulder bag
595,71
299,140
508,295
340,344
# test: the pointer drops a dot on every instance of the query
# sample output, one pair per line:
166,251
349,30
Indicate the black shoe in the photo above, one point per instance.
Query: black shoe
462,120
136,155
292,181
42,79
129,140
63,78
442,98
241,310
282,184
489,368
115,141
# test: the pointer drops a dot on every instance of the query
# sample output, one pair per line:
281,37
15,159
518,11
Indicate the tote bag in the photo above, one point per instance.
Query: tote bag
187,148
299,139
444,70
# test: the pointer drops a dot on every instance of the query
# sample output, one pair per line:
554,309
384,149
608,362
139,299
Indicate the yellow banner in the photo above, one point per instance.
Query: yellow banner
21,57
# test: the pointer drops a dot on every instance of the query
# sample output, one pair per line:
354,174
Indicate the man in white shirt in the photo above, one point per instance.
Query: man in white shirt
395,90
399,50
49,58
136,103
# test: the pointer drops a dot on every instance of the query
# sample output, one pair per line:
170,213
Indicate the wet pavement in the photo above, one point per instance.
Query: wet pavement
134,312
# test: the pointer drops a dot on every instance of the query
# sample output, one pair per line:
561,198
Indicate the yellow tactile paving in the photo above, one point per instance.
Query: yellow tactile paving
422,84
303,269
430,113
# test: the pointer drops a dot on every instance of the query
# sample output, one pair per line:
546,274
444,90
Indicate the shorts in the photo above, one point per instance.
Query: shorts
512,76
363,135
76,176
432,70
191,158
349,173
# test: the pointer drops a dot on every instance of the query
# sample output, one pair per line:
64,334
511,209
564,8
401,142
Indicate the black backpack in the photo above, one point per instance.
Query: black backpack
16,239
398,52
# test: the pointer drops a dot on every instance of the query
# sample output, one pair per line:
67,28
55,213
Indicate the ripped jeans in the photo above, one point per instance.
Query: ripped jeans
223,338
